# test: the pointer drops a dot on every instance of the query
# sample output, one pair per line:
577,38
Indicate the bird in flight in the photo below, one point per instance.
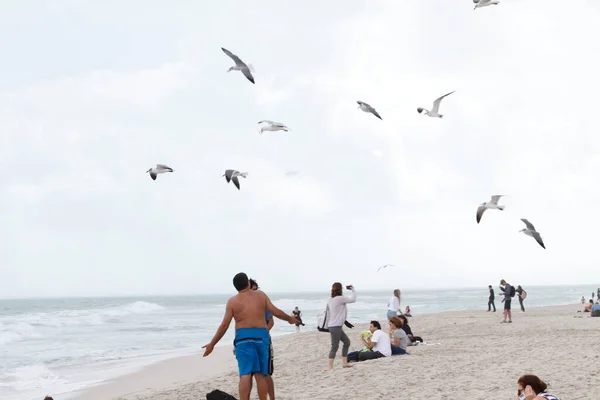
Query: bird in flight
484,3
367,108
232,175
159,169
530,231
436,106
385,266
272,126
239,65
492,204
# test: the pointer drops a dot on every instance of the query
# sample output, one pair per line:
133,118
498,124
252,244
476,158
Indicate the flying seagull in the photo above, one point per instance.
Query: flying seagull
232,175
485,3
436,106
159,169
239,65
367,108
385,266
530,231
273,126
292,173
492,204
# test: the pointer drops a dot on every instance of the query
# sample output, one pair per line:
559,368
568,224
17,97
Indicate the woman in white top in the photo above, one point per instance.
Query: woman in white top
394,304
336,314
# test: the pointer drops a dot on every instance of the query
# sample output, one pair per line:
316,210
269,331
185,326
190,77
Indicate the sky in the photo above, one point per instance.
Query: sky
92,94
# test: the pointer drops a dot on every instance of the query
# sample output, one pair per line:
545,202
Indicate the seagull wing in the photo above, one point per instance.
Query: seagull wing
538,238
153,175
164,167
436,103
235,58
528,224
236,182
480,211
228,174
266,121
374,112
495,199
248,74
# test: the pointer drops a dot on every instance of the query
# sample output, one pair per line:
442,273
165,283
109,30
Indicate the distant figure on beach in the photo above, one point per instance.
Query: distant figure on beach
595,310
407,311
491,299
530,387
394,305
252,340
336,314
522,296
582,299
399,339
406,328
298,314
593,295
507,289
598,294
588,307
270,323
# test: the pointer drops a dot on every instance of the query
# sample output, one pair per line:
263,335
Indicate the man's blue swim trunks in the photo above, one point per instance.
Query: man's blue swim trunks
252,348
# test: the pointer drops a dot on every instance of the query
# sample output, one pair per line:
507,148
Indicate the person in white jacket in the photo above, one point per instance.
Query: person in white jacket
336,316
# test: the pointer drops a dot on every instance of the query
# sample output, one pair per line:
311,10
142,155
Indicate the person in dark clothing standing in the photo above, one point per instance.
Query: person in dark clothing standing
491,300
506,288
522,295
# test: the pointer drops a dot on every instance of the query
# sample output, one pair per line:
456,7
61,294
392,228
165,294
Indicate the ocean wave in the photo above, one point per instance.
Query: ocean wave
19,327
32,376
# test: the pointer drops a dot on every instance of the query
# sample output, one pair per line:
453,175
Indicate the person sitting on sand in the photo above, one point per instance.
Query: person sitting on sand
595,312
588,307
399,338
379,344
413,340
298,314
407,311
530,387
252,342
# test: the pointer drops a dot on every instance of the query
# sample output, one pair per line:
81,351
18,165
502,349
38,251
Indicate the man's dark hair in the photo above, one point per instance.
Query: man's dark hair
48,398
253,283
376,324
240,281
490,286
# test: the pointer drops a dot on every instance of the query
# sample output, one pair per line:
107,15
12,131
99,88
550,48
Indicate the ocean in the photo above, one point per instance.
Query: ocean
60,345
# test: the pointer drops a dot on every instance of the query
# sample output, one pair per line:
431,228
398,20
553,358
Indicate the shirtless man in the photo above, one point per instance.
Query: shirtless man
252,339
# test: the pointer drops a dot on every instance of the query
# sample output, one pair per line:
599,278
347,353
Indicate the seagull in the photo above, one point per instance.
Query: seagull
485,3
159,169
530,231
239,65
292,173
492,204
385,266
367,108
273,126
436,106
232,175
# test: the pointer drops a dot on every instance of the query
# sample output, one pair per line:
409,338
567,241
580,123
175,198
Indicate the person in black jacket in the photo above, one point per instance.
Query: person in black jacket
519,292
491,300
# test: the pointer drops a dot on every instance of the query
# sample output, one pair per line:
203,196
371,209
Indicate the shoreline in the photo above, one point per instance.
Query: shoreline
174,378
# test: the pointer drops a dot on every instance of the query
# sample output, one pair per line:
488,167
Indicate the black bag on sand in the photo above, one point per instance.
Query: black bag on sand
219,395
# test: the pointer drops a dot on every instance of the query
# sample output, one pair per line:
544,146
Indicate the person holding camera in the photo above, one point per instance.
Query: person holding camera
336,317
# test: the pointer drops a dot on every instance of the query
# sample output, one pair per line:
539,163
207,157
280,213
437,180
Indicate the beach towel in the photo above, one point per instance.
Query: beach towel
219,395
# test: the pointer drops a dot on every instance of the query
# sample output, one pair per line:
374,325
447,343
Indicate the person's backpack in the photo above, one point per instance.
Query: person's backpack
523,295
512,291
219,395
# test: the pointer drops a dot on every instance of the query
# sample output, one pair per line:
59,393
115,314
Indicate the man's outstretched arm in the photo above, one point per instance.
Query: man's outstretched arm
220,330
278,313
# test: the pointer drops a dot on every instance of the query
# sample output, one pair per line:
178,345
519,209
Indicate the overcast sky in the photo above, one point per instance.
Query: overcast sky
92,94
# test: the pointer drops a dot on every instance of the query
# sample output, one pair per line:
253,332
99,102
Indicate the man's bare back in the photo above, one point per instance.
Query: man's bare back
248,309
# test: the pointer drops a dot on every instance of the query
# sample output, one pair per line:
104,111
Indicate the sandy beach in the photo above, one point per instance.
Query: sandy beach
469,355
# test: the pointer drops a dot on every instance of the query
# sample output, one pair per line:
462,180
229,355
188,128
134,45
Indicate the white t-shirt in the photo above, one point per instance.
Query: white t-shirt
383,344
394,304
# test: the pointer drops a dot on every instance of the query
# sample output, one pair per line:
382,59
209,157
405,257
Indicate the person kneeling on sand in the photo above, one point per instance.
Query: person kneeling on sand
530,387
398,337
588,307
252,341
